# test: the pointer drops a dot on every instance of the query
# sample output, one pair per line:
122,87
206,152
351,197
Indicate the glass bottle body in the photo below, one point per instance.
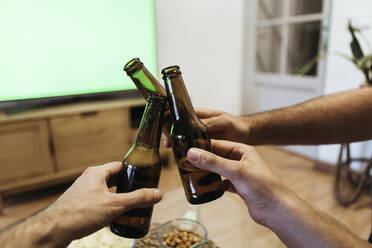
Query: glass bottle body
200,186
137,173
141,169
188,131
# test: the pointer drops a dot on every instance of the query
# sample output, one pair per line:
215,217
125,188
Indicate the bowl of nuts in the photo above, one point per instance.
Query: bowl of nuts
181,233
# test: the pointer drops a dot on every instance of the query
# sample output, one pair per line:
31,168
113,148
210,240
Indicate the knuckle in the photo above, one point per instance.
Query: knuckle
89,170
208,159
250,149
239,172
226,119
246,149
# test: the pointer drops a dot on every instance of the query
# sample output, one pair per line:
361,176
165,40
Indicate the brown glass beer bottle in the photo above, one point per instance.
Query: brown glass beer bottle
147,84
141,169
188,131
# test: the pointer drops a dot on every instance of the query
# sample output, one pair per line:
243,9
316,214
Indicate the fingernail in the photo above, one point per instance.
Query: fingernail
193,155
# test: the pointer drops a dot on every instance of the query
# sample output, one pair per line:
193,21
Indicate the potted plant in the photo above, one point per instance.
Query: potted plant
360,59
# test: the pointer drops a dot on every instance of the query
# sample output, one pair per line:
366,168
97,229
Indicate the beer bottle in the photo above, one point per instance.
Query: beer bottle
141,169
188,131
146,83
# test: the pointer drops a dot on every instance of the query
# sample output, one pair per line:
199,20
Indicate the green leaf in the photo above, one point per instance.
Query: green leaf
354,45
347,57
365,65
302,70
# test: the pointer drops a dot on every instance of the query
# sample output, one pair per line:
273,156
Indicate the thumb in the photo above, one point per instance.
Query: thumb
208,161
139,198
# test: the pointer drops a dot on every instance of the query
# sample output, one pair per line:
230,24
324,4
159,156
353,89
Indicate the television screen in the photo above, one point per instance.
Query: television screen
59,48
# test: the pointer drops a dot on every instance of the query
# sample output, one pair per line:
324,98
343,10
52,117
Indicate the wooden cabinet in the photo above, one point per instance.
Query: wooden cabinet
90,138
25,151
53,145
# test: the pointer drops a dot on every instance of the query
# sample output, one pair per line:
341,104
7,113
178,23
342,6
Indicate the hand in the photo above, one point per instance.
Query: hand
221,125
88,205
246,174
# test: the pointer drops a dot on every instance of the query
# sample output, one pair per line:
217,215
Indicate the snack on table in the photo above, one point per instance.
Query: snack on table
150,240
181,238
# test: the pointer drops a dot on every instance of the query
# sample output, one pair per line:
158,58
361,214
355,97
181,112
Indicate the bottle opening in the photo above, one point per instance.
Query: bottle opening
171,71
133,65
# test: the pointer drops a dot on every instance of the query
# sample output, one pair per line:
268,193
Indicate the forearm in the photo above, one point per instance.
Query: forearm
338,118
41,230
299,225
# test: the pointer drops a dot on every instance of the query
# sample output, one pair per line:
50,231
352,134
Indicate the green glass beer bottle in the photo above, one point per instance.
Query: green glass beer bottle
141,169
188,131
147,84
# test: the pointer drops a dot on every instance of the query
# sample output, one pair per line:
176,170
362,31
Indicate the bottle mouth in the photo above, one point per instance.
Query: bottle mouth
171,71
133,65
156,98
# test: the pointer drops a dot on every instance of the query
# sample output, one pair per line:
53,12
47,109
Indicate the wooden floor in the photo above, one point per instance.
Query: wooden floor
313,185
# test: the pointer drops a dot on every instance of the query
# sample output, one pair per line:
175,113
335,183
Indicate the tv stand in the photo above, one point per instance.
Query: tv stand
53,145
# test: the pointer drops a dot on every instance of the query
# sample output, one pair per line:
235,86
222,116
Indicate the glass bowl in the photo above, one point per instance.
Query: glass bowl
184,224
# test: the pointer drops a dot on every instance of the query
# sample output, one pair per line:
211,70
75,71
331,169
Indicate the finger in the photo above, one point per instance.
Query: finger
228,149
110,172
211,162
203,113
218,135
139,198
215,123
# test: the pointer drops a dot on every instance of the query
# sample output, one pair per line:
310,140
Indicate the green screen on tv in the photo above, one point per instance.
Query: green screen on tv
58,48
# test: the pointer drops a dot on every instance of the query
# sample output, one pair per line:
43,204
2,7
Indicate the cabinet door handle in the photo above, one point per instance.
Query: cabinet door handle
90,113
51,146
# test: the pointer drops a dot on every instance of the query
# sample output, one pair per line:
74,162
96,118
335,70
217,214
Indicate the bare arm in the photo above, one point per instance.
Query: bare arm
84,208
298,224
270,202
337,118
40,230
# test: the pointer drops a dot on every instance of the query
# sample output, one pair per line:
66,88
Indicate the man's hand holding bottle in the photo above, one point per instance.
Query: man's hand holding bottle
246,174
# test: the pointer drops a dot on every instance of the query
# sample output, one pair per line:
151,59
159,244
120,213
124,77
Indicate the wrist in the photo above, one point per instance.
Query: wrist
48,229
252,125
282,202
284,217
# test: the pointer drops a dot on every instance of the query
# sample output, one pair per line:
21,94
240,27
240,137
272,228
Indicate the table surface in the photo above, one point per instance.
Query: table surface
226,219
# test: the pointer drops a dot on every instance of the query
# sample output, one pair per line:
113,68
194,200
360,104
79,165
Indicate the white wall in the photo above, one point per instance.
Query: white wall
341,74
205,38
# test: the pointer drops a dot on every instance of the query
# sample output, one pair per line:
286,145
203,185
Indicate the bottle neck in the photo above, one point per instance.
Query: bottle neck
179,100
149,130
147,83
